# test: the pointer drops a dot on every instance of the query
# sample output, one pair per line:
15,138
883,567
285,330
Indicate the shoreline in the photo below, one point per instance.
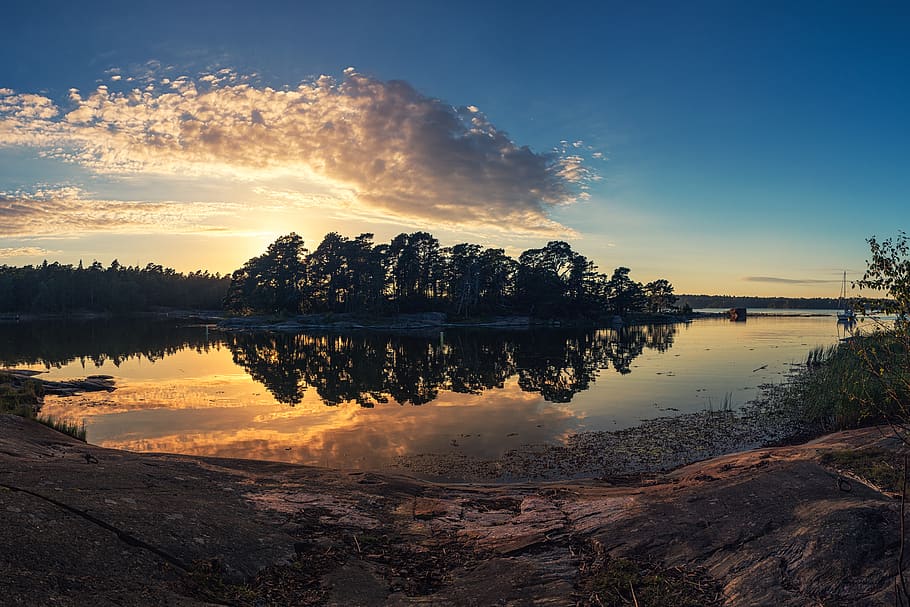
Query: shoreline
649,448
355,322
88,525
425,322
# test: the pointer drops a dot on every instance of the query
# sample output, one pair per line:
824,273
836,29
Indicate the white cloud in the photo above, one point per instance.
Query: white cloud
396,151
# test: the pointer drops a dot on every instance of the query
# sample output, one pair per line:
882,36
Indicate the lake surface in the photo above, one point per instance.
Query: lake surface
363,399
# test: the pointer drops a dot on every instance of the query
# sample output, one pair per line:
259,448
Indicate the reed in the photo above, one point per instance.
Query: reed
66,426
726,406
861,381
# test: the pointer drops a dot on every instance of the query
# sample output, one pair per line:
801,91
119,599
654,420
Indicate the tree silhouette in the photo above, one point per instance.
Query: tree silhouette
413,274
624,295
272,283
660,295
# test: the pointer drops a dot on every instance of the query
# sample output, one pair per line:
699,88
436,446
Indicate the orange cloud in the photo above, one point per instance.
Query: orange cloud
68,210
384,148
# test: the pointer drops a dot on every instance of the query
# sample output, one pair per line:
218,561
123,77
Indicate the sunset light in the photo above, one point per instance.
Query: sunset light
669,145
365,303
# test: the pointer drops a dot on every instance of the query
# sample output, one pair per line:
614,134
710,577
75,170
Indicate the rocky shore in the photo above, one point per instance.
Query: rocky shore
85,525
652,447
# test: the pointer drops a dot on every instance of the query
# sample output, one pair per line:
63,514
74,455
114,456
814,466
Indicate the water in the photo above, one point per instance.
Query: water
363,399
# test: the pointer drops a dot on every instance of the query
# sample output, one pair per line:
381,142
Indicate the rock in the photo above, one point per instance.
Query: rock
425,508
768,526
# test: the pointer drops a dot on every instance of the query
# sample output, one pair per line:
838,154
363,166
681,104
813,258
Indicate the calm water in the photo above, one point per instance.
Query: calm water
360,400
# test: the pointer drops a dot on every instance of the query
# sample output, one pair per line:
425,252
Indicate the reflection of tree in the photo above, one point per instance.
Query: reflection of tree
57,343
367,368
372,368
346,368
622,346
559,366
275,362
659,337
627,344
475,364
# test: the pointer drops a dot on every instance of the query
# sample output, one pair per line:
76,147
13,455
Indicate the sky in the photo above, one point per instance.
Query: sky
730,147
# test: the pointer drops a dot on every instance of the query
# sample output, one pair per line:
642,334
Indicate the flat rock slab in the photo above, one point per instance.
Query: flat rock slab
90,526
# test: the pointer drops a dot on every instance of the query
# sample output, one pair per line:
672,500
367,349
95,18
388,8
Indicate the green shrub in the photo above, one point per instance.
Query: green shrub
19,396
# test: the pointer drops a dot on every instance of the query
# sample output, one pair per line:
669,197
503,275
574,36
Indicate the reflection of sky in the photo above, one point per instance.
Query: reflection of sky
202,403
346,435
710,359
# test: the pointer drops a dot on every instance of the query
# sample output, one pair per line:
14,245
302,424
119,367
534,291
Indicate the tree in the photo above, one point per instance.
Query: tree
889,271
345,275
497,279
414,268
624,295
660,295
365,264
463,275
329,275
553,279
271,283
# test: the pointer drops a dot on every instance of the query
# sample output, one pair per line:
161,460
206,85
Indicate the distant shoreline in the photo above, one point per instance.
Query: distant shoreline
353,321
430,320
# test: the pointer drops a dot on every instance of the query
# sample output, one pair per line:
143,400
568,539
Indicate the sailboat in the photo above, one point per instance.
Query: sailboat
845,313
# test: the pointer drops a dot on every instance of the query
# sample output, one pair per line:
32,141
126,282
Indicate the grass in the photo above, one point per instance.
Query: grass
622,581
68,427
879,467
726,406
858,382
23,397
19,396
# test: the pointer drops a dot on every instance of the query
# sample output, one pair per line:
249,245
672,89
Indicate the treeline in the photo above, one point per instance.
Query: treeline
62,289
776,303
413,273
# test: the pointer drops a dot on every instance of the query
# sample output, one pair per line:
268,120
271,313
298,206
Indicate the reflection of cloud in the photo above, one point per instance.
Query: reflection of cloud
398,151
68,210
349,435
787,281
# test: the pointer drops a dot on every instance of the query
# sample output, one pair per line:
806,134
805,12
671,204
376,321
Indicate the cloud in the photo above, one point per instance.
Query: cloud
787,281
395,150
8,252
68,210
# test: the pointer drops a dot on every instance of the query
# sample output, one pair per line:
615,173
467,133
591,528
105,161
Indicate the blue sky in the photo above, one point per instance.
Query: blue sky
718,145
